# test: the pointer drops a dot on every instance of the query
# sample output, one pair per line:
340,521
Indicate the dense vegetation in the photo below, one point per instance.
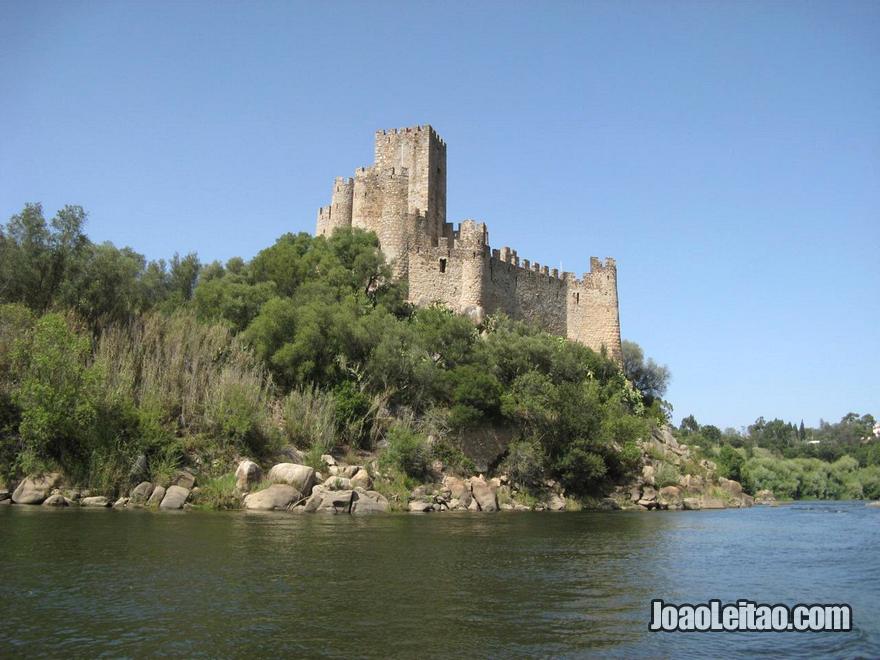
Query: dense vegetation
106,358
834,461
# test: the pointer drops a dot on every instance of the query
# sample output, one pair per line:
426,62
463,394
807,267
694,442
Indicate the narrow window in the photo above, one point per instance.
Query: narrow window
443,265
577,299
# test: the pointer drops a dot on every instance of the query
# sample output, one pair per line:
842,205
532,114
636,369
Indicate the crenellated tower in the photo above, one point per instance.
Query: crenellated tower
402,198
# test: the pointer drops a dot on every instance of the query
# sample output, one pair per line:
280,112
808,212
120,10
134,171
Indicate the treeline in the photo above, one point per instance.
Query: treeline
107,358
833,461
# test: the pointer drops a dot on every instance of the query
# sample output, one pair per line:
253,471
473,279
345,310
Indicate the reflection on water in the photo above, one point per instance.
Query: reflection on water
88,582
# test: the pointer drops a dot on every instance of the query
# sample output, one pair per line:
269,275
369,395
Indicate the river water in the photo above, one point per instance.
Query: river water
86,583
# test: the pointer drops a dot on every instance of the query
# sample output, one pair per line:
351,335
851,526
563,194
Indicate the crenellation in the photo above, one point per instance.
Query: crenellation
402,198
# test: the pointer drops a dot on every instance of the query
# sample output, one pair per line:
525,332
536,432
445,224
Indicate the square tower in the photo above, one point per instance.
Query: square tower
422,153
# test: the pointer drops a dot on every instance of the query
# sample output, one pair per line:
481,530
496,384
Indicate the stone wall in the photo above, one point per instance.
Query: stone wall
402,198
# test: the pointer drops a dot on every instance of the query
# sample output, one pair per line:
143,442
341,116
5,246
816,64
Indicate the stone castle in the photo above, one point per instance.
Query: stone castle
402,198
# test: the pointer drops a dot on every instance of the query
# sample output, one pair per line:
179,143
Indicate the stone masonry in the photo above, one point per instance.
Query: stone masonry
402,198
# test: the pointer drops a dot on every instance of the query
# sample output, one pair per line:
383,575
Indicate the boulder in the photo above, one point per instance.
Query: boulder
247,474
276,496
520,507
647,504
328,460
555,502
747,500
96,500
361,479
765,497
141,493
369,501
121,503
670,496
692,483
35,489
420,506
648,473
712,503
184,479
483,494
55,500
175,497
348,471
635,493
5,495
731,486
874,505
649,493
301,477
473,506
156,496
692,504
457,487
330,501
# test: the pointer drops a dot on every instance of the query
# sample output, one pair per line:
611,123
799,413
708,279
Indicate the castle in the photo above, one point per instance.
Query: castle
402,198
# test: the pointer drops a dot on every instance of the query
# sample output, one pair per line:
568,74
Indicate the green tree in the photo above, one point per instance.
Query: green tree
649,378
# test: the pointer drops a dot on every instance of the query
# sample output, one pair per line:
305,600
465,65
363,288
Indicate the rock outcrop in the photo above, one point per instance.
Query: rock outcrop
96,501
301,477
141,493
672,479
36,488
323,500
483,494
247,474
277,497
156,496
175,497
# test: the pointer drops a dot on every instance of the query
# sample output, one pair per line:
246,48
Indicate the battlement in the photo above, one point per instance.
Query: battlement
506,255
426,129
402,198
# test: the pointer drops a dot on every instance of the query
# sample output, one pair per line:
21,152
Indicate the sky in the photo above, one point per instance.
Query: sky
727,154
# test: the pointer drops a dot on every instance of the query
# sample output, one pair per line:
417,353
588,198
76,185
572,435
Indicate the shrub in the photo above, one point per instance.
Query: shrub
666,475
407,451
452,457
525,465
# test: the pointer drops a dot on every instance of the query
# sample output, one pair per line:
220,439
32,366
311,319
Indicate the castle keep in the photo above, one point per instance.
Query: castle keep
402,198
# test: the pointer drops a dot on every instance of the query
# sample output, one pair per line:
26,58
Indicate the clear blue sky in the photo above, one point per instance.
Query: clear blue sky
726,153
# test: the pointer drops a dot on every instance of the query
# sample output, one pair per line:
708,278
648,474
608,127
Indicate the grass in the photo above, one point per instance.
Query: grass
396,486
219,493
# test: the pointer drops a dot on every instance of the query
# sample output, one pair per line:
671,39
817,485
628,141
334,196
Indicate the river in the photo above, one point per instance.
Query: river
85,583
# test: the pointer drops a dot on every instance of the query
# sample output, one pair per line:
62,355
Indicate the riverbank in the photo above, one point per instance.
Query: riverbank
670,478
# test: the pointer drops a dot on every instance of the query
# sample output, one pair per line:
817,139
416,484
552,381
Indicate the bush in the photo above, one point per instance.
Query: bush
524,465
407,451
666,475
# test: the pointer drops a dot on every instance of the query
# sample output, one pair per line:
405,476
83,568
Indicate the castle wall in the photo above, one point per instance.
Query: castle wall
526,294
402,198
